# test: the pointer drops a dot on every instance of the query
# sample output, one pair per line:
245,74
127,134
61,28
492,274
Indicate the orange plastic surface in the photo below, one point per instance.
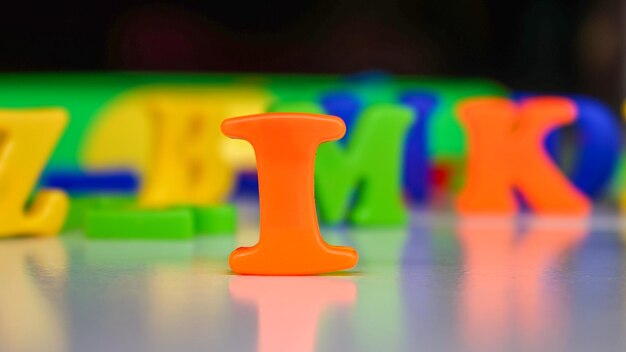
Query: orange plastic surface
290,242
506,151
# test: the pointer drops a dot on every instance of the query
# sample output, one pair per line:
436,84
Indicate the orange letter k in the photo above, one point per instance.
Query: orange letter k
506,152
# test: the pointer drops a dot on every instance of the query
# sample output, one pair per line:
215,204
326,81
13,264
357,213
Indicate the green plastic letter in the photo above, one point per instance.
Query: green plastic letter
369,166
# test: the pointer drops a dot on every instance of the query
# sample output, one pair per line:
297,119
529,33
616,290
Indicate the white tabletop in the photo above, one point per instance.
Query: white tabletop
440,284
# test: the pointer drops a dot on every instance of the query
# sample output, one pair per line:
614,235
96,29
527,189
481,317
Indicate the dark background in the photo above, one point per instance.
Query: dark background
541,45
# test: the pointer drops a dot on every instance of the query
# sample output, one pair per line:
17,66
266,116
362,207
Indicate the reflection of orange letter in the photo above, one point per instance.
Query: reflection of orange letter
290,242
290,308
506,151
503,284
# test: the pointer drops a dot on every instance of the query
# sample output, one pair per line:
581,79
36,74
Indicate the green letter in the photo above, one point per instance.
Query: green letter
370,166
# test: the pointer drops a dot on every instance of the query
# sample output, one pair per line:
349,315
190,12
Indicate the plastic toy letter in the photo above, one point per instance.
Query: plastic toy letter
185,166
372,158
27,138
290,242
598,145
506,151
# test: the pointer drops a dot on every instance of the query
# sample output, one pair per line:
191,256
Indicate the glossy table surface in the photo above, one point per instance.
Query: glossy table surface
440,284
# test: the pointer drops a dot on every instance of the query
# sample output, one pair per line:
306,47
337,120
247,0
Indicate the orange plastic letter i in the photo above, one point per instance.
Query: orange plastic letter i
290,242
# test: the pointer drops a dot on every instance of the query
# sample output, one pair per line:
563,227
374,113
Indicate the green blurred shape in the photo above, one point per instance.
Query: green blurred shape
297,106
75,214
117,212
212,220
371,163
618,181
79,206
163,224
370,166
